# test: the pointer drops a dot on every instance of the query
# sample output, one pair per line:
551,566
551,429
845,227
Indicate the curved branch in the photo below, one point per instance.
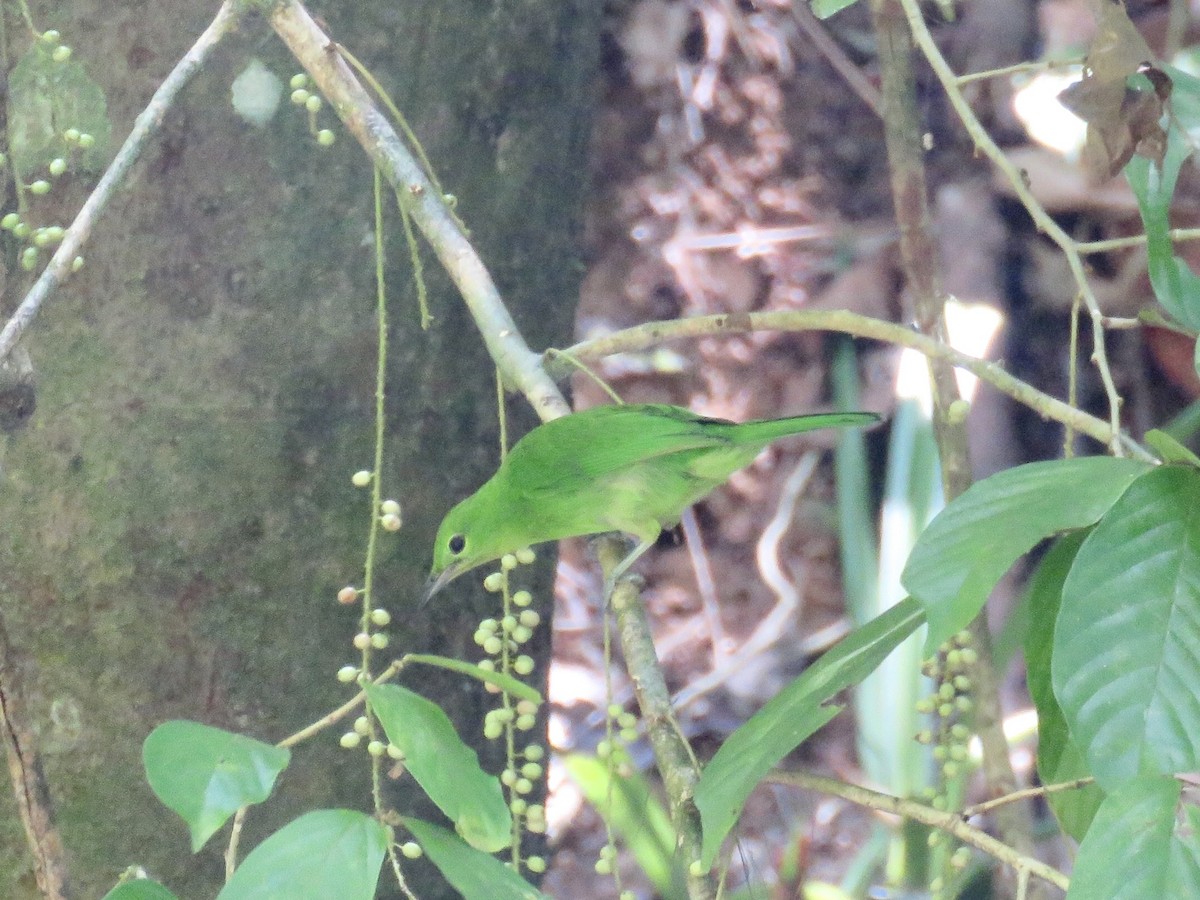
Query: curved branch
651,334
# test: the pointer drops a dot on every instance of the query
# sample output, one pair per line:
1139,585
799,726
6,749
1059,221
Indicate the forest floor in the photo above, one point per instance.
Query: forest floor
739,165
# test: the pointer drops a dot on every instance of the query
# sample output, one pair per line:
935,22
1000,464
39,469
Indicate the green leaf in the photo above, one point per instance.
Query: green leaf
446,768
971,543
46,98
206,774
473,874
1058,758
1126,667
322,854
1170,450
1142,844
823,9
790,718
139,889
518,689
1175,285
636,815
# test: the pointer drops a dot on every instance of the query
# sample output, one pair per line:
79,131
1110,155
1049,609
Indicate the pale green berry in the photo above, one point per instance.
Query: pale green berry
361,641
39,187
394,752
362,725
51,36
970,656
603,867
525,556
361,478
492,730
300,96
508,562
508,623
534,752
346,674
347,595
535,864
61,53
350,740
10,220
21,230
529,618
526,707
29,257
521,634
629,735
379,640
389,507
523,786
77,264
54,233
325,137
604,749
86,141
518,806
488,665
71,135
494,582
532,770
57,166
696,868
523,664
522,598
626,720
614,710
508,777
380,617
608,851
313,103
376,748
493,645
491,626
390,522
525,723
298,81
40,238
410,850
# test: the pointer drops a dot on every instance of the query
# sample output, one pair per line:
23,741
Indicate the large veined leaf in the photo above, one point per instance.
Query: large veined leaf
1058,757
791,717
1126,665
473,874
1142,844
323,854
971,543
206,774
445,767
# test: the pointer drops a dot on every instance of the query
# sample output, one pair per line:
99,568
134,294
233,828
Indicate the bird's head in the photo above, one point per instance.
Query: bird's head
464,541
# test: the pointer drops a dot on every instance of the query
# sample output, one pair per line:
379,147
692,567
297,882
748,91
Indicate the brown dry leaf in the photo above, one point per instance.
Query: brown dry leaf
1121,121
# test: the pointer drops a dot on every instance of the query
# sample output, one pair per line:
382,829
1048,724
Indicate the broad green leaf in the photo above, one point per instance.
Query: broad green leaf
1058,759
971,543
518,689
636,816
1175,285
1142,844
1170,450
823,9
790,718
139,889
46,98
206,774
323,854
473,874
1126,667
446,768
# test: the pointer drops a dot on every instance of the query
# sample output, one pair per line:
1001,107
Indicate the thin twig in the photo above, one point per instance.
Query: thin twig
430,212
651,334
145,127
1043,790
950,822
1042,219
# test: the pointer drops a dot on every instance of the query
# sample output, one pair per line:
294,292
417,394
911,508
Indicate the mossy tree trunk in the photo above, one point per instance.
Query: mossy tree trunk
177,513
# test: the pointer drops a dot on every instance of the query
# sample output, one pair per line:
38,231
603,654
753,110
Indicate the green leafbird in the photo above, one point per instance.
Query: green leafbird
632,468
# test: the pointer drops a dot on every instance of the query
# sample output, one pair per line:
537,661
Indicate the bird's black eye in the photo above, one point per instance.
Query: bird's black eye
458,543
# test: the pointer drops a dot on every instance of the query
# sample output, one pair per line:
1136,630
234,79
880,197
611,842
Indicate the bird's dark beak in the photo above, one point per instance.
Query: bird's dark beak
437,582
